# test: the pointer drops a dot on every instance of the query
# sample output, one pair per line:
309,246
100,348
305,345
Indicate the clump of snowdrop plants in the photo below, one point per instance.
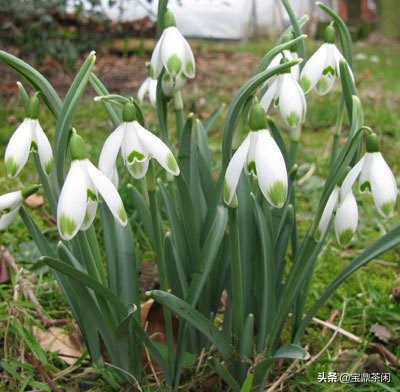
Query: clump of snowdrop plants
233,235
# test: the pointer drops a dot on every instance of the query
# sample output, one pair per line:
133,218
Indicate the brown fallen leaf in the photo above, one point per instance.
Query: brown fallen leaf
34,201
381,333
56,339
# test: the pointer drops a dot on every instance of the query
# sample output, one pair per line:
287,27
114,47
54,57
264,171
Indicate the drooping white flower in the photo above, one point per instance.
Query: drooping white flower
170,85
322,68
346,219
148,87
10,203
260,156
29,135
286,94
375,176
289,55
79,197
172,52
327,213
137,146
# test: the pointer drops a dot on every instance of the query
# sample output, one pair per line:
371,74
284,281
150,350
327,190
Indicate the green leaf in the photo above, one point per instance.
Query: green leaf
195,318
36,80
348,87
248,383
68,109
224,374
213,118
292,351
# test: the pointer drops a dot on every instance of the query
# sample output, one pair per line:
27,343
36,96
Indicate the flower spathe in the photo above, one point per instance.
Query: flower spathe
172,52
259,155
10,204
27,136
137,146
286,94
79,198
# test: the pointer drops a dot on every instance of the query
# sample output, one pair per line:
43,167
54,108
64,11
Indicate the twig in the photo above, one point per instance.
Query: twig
28,292
335,328
40,369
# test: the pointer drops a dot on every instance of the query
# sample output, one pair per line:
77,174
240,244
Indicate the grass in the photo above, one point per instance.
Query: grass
367,293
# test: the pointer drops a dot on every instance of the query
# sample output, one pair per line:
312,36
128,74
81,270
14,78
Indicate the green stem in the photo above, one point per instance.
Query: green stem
237,278
338,131
162,270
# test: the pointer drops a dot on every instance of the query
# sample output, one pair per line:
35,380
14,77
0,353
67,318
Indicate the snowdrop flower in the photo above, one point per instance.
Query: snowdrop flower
289,55
80,194
149,86
322,68
10,203
29,135
260,156
172,52
286,94
375,176
346,217
137,146
171,85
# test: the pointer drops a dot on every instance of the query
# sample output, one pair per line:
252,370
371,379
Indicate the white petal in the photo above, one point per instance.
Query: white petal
170,85
346,219
7,219
109,152
271,170
329,72
71,208
250,165
234,170
189,66
173,47
17,152
138,169
365,181
158,150
132,147
327,213
383,186
90,215
156,60
143,90
295,70
11,200
312,70
153,91
269,95
44,148
350,179
291,101
108,192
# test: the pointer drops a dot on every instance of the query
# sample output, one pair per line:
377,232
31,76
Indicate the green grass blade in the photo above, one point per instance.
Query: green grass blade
195,318
213,118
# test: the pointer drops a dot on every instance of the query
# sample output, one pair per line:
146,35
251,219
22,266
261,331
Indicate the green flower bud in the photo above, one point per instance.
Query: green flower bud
129,112
169,19
33,107
257,118
77,146
373,143
330,35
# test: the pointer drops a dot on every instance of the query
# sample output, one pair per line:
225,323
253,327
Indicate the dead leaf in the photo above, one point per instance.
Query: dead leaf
381,333
34,201
56,339
4,276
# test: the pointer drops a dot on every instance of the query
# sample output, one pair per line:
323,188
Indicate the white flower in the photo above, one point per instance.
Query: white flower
327,213
295,70
259,155
170,85
172,52
137,146
375,176
27,136
79,197
10,204
286,94
346,219
149,86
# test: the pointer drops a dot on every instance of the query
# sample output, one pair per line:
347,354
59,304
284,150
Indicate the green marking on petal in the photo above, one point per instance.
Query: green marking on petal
135,156
388,208
48,167
277,194
322,85
227,192
365,186
67,225
34,147
305,84
189,67
11,167
293,119
346,236
329,70
122,214
172,164
318,235
91,195
174,64
276,102
251,168
86,220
